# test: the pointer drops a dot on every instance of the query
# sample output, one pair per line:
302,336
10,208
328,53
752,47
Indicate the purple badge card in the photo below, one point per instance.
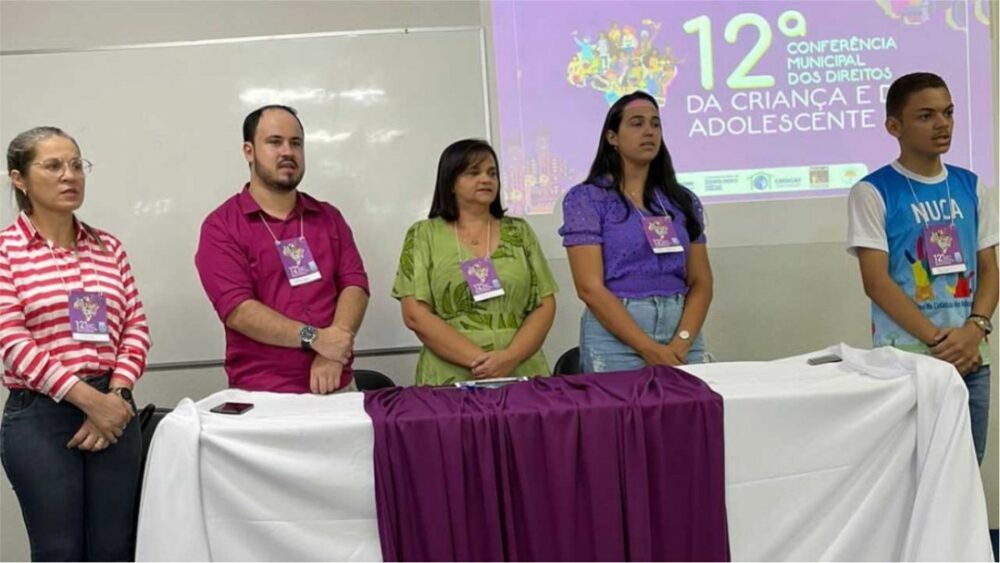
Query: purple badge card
661,235
482,279
88,316
944,250
297,259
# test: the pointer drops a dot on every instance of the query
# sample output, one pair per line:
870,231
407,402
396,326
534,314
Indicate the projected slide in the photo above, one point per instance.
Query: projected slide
760,100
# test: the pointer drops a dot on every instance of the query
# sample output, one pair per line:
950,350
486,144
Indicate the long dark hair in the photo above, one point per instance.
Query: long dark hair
608,163
454,160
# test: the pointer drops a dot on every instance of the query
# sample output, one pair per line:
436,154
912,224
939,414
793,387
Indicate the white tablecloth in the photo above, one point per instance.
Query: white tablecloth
868,459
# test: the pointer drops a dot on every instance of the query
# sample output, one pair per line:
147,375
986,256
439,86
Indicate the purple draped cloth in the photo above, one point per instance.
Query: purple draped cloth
619,466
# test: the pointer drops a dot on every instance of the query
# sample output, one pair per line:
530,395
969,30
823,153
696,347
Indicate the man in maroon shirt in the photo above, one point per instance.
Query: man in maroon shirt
282,270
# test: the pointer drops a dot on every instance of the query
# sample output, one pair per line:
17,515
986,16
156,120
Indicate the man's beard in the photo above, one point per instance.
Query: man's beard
276,182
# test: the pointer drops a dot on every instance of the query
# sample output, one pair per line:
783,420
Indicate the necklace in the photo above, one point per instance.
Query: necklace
474,239
489,225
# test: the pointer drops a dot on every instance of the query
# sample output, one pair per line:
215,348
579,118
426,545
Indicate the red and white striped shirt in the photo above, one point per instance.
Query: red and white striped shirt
39,352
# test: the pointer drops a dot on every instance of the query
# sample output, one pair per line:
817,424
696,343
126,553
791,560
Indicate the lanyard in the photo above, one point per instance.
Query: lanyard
302,227
947,186
93,270
658,200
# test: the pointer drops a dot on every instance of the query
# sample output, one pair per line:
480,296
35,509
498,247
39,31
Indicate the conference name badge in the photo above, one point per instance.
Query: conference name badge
661,235
482,279
297,259
88,316
944,249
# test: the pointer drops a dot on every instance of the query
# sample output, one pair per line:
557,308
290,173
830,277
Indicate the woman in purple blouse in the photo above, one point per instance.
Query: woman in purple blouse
636,245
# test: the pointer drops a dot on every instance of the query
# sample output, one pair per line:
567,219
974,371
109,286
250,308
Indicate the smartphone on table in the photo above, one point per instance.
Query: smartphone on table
232,408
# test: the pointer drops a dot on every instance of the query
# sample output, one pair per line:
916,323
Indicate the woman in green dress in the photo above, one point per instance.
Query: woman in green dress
474,285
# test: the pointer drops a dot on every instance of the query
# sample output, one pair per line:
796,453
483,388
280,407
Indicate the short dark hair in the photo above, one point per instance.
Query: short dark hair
905,86
253,118
454,160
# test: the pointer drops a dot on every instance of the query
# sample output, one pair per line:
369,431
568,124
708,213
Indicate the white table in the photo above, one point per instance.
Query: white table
868,459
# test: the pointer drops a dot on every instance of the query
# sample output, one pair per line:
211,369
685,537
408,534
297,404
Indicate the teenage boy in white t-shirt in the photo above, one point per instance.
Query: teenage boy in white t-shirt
925,235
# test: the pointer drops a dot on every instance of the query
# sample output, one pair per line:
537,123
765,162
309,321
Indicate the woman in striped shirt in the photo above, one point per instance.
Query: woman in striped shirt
74,340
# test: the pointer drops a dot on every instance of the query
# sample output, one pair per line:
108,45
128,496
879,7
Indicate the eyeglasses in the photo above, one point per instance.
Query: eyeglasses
56,166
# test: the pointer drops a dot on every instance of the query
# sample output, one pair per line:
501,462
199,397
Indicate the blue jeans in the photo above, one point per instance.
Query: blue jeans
77,505
978,383
601,351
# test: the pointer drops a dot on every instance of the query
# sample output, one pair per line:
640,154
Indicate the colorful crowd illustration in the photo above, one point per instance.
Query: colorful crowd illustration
621,59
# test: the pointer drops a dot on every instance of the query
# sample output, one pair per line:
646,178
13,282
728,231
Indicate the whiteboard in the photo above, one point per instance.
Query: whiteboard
162,124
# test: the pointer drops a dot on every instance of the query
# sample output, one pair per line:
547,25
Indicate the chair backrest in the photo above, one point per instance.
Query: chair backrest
149,417
369,380
568,363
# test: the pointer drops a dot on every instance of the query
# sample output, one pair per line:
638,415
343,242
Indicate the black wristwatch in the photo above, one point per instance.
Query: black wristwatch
125,393
307,334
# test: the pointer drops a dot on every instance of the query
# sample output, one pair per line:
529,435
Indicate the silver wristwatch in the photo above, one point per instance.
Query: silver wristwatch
307,335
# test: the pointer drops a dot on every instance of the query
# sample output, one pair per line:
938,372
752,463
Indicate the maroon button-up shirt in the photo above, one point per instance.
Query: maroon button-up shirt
238,260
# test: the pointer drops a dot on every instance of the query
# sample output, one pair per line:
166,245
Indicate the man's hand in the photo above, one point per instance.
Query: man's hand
324,375
334,343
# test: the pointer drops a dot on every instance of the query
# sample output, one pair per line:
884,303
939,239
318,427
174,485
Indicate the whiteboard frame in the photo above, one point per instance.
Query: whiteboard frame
195,364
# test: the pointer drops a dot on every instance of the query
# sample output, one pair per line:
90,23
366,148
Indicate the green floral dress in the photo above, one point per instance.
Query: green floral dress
429,271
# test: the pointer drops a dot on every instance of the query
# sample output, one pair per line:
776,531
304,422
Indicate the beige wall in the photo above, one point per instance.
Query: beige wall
771,301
